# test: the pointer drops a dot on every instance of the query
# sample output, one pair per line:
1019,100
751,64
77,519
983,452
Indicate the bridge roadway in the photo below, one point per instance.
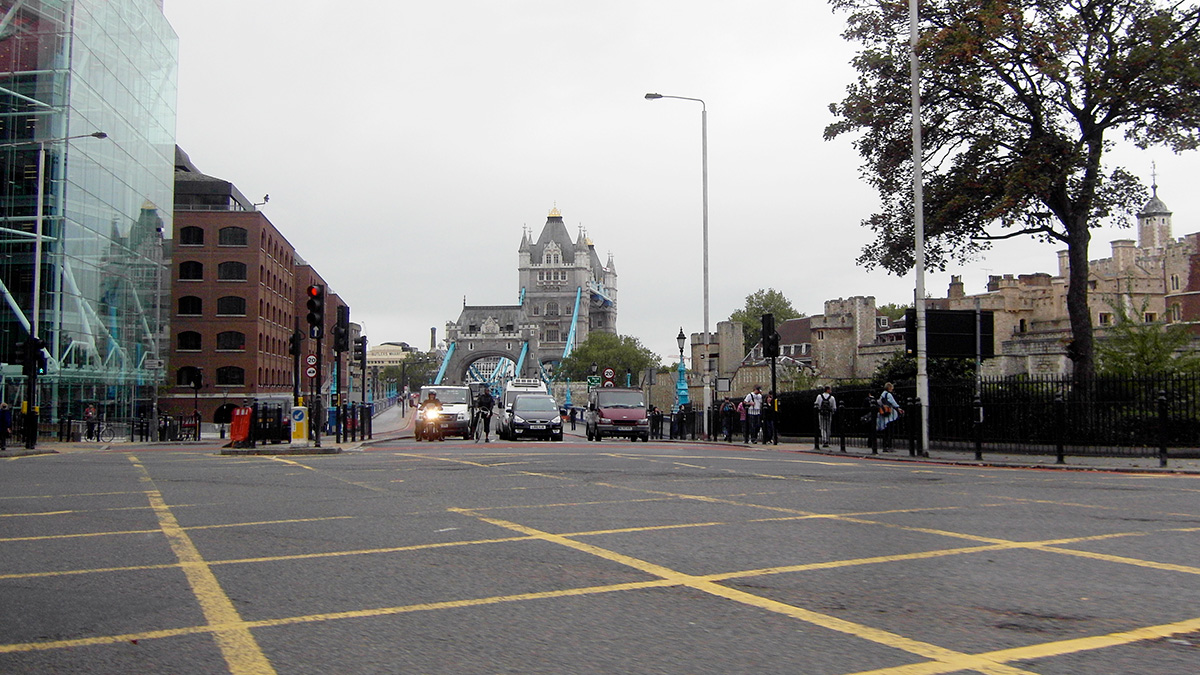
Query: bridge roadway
589,558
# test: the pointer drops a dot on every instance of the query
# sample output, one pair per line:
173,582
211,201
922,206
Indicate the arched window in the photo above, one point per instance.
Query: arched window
551,308
191,270
191,236
231,305
231,340
185,376
232,236
231,375
231,270
189,341
190,305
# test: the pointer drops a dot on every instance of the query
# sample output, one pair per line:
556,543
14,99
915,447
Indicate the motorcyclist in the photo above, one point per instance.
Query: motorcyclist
484,404
431,428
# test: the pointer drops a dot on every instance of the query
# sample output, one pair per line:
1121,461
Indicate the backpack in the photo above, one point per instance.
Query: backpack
826,404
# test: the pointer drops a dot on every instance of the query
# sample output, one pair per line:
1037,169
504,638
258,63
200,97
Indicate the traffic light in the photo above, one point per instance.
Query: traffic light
770,338
316,311
33,359
341,330
294,343
360,350
21,355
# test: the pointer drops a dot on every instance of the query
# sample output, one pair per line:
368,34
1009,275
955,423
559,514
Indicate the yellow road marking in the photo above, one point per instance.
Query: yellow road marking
924,649
238,646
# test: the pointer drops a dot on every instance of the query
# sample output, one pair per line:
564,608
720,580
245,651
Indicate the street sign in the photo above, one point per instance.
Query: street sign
311,372
609,383
609,373
311,360
153,364
593,381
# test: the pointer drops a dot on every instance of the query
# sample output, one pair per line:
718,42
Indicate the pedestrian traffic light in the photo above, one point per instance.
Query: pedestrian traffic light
33,359
20,355
341,330
316,311
770,338
360,350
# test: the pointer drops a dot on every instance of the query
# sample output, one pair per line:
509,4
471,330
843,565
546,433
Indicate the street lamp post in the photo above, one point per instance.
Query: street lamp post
704,215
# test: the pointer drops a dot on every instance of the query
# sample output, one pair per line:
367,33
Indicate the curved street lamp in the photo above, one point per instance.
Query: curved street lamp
704,196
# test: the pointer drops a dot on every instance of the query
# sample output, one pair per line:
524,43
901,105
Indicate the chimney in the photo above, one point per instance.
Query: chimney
432,338
956,287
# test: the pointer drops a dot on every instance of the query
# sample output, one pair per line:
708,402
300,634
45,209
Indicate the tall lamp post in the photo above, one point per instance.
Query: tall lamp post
704,196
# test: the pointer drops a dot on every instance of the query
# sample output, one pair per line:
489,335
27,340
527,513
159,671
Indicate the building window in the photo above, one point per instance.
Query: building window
881,322
185,376
552,334
231,340
191,270
820,335
1150,317
191,236
232,236
231,270
552,308
1174,282
231,305
190,305
1106,318
189,341
536,310
231,375
1177,312
1021,327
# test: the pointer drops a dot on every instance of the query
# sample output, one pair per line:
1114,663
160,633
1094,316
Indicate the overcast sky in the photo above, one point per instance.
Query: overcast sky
406,144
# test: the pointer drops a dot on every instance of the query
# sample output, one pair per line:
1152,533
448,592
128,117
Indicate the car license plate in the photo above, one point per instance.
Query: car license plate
537,426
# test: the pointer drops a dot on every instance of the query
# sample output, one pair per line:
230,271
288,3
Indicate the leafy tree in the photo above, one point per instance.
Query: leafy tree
420,369
1021,99
1132,347
902,368
892,310
758,303
607,350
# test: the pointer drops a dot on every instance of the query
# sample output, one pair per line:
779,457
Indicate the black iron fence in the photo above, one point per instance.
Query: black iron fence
1108,416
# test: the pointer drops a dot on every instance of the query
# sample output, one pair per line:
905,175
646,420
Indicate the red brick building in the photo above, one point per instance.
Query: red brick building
238,291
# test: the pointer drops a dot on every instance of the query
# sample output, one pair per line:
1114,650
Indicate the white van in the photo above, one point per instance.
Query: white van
457,408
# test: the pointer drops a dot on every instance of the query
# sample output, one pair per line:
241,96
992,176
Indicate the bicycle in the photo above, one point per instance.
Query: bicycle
105,433
479,422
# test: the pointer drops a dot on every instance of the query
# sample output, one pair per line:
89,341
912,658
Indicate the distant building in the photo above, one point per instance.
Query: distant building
238,292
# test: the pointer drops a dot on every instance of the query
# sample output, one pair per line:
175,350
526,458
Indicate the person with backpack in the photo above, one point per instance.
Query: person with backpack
889,411
826,406
727,412
754,404
770,412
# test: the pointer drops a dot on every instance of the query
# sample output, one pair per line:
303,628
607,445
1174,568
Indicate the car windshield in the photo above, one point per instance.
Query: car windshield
532,404
450,395
622,399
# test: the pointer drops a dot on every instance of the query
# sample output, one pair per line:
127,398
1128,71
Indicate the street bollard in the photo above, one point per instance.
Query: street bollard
977,428
1060,413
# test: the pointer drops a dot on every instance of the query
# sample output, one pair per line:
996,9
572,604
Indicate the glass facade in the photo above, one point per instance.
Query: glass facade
70,69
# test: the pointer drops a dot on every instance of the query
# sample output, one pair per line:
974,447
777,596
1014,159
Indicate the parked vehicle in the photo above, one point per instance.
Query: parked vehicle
617,412
457,408
535,416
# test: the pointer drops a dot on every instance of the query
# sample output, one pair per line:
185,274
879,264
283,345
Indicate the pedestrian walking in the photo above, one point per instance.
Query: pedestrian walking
727,415
89,416
826,406
572,415
889,411
754,405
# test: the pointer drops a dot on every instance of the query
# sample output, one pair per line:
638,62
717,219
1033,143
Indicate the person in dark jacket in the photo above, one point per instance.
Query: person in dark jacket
5,425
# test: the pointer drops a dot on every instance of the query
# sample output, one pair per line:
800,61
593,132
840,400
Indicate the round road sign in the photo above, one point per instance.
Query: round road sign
609,373
311,360
311,372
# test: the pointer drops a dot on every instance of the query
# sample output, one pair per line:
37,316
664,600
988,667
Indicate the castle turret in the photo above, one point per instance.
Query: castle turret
1154,223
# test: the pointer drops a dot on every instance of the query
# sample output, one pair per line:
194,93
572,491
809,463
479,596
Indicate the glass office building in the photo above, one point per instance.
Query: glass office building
87,142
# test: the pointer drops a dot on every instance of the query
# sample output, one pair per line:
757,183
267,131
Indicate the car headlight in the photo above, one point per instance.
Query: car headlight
644,423
605,420
518,419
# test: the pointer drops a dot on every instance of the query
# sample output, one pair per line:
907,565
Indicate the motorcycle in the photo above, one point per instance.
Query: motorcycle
431,429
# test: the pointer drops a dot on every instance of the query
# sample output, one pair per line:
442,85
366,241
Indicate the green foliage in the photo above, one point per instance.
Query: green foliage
758,303
1021,100
421,368
1134,348
901,368
892,310
607,350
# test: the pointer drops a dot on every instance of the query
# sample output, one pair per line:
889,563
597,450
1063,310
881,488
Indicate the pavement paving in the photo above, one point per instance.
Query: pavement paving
394,424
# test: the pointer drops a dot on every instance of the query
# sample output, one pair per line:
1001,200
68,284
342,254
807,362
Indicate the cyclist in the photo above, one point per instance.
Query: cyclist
483,413
432,428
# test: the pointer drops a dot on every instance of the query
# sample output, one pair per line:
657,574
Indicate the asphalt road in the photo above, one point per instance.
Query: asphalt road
580,557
